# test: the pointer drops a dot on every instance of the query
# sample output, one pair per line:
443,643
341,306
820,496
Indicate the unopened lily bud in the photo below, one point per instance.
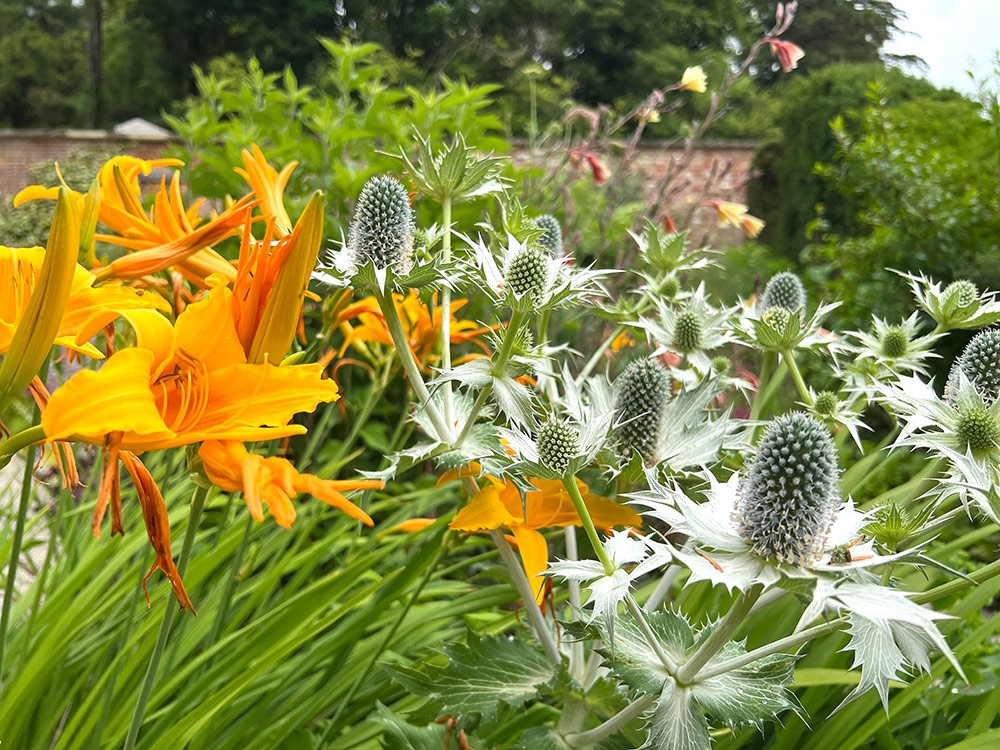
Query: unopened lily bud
790,494
382,228
784,290
641,393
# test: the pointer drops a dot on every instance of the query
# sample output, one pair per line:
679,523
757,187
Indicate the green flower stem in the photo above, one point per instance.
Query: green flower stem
449,409
612,726
359,421
569,482
410,366
662,588
651,638
227,595
774,647
535,616
20,440
499,368
576,652
720,635
15,550
793,368
198,500
766,368
974,578
598,354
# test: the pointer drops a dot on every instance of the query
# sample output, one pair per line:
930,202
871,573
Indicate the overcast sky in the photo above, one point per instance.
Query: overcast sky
952,36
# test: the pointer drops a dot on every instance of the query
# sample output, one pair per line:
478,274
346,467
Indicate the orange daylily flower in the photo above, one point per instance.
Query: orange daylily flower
499,505
87,310
268,184
421,329
275,481
168,235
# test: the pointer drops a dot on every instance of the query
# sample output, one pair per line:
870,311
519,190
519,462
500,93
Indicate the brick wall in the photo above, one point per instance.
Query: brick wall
723,163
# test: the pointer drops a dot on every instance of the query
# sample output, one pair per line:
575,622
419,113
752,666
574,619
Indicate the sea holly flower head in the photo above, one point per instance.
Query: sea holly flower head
552,236
784,290
527,275
956,306
980,363
831,409
381,232
693,331
641,395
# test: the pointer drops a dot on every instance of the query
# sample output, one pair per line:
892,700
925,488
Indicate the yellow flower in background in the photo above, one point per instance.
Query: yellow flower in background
169,235
499,505
274,481
420,325
736,215
694,79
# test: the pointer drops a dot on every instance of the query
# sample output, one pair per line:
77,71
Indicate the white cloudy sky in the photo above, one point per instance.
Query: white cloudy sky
952,36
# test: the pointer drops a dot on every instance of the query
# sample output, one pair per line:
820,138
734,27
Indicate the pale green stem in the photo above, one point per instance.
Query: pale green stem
576,652
194,516
410,366
720,635
974,578
651,637
793,368
595,358
449,409
774,647
569,482
535,616
20,440
766,367
613,725
15,550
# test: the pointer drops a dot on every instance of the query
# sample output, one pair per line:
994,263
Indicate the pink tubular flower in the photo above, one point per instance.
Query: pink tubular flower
597,168
788,54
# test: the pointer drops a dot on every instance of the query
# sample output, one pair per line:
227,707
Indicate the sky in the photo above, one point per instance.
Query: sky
950,35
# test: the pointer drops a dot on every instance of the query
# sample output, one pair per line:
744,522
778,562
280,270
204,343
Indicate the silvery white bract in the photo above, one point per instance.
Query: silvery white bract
693,331
896,349
609,590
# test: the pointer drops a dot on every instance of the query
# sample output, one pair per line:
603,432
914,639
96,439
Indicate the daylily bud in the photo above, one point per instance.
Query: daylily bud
687,331
280,318
784,290
382,228
790,494
39,325
558,443
641,393
552,240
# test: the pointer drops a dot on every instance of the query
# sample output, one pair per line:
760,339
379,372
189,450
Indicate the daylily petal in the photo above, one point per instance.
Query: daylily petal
485,511
534,556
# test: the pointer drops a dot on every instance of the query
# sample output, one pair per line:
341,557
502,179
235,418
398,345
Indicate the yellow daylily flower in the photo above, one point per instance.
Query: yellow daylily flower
274,481
736,215
499,505
422,329
169,235
268,184
694,79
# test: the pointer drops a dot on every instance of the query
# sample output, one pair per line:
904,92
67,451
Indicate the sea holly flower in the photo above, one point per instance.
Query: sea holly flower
776,328
546,504
274,481
694,79
980,363
783,290
788,54
829,407
552,236
894,348
641,393
692,331
959,305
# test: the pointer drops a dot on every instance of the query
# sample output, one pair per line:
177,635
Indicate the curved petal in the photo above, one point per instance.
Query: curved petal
534,556
485,511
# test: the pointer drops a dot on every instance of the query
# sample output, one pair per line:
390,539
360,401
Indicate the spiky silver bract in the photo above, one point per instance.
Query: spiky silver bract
790,495
641,394
552,237
558,443
784,290
382,228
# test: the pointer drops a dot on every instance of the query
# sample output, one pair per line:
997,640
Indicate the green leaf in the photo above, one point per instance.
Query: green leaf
479,677
400,735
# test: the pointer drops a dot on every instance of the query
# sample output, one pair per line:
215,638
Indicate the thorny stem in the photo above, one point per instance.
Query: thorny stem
449,409
774,647
198,500
612,725
793,368
719,636
410,366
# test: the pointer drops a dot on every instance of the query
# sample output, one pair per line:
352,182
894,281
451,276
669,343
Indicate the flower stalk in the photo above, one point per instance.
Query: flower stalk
612,726
720,635
569,482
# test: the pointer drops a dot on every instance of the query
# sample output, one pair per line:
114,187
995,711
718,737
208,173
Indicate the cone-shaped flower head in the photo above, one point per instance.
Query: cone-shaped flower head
895,342
980,361
552,240
962,291
784,290
669,287
527,273
641,393
382,228
777,317
977,427
687,331
826,402
790,495
558,444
